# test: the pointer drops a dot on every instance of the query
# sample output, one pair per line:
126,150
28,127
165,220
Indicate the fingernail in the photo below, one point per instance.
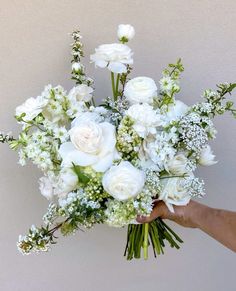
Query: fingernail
140,218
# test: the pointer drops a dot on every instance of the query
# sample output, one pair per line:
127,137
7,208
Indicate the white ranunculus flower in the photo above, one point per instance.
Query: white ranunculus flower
115,56
173,193
146,120
123,181
207,157
125,31
81,93
46,187
175,111
67,182
177,165
92,144
140,90
31,107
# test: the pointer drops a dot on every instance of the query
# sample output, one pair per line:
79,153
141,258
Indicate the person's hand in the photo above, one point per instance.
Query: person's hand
183,215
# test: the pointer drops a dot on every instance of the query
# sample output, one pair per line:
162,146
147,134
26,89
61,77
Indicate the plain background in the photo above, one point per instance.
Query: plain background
34,51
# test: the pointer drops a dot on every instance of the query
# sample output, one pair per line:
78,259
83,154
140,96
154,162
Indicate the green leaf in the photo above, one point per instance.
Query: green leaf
83,178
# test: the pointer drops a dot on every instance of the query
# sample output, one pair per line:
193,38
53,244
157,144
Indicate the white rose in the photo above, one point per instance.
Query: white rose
81,93
125,32
67,182
140,90
31,107
123,181
46,188
177,165
92,144
173,193
175,111
115,56
207,157
145,119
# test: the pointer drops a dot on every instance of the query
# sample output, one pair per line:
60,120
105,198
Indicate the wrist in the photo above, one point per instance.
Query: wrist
198,214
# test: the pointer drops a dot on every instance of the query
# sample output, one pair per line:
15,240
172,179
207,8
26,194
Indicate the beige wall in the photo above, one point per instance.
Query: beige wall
33,52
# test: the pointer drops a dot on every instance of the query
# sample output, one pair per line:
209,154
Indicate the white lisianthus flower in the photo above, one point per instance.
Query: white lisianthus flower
140,90
67,182
115,56
207,157
177,165
146,120
175,111
123,181
32,107
81,93
173,193
125,32
46,188
92,144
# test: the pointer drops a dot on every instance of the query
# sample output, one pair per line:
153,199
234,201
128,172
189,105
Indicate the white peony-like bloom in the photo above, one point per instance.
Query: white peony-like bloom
32,107
81,93
177,165
146,120
125,31
115,56
207,157
173,193
175,111
123,181
92,144
140,90
67,182
46,188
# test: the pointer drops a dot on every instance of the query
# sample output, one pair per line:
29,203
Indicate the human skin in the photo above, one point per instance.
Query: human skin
218,223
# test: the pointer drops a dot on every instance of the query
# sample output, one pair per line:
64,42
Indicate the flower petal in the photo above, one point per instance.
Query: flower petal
117,67
104,164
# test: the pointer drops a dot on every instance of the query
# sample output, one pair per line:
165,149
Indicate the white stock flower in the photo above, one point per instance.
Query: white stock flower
123,181
140,90
46,187
145,119
175,111
177,165
115,56
125,31
76,67
173,193
81,93
92,144
31,107
207,157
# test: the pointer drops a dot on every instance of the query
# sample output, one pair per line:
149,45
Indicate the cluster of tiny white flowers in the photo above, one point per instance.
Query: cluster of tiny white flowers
36,241
194,185
51,214
193,134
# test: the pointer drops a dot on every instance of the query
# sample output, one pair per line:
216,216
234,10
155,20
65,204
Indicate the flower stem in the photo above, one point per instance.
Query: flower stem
113,85
145,241
117,84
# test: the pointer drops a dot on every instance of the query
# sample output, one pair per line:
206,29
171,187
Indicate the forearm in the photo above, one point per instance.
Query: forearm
219,224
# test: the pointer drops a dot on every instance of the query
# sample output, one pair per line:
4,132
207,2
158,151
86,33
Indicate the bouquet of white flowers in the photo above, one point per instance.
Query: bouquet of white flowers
109,163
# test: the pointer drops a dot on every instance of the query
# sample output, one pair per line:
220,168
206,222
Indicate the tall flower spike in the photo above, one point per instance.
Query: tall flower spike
78,69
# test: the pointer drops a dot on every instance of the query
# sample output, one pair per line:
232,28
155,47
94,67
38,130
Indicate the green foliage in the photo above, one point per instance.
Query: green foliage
82,177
